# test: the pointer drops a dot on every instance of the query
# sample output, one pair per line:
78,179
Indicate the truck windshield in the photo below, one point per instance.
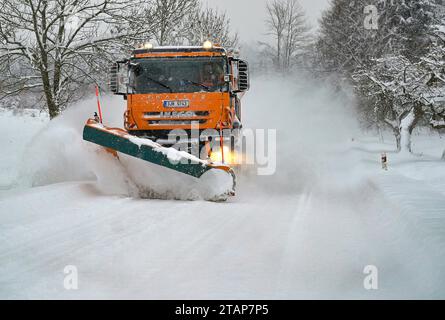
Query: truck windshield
164,75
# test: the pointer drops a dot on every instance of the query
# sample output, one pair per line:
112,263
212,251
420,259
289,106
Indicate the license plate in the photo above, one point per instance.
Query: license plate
176,103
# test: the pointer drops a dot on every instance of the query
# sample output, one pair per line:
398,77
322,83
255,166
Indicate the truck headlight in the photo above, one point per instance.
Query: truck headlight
207,45
147,46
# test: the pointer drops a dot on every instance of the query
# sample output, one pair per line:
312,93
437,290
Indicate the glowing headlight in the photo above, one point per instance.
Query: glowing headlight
207,45
229,157
147,46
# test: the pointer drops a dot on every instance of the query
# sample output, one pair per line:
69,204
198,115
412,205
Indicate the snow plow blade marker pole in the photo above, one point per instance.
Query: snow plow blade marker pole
122,144
99,108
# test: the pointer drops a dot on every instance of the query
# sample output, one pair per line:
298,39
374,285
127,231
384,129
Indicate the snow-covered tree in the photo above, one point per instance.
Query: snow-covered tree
394,86
187,22
209,24
403,92
58,46
286,23
345,43
170,16
396,66
434,93
434,63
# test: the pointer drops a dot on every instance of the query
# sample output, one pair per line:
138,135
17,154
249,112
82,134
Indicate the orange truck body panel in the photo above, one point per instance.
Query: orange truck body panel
217,104
218,107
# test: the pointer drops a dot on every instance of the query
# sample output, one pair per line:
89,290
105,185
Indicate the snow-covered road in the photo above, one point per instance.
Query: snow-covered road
306,232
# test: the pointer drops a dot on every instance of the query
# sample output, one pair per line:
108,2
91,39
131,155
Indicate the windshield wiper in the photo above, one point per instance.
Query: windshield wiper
160,83
138,70
197,84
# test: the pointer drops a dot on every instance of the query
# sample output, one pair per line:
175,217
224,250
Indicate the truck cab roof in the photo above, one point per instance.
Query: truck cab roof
179,51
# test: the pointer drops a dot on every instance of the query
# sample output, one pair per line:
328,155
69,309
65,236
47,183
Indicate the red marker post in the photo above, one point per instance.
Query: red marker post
98,103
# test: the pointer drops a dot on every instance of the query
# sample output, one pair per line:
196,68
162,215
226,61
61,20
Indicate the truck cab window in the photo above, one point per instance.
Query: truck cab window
163,75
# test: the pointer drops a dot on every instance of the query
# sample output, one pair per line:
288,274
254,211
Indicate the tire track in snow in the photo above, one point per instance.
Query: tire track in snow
201,246
294,244
235,242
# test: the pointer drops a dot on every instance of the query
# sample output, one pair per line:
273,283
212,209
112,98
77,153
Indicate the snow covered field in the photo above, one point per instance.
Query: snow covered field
306,232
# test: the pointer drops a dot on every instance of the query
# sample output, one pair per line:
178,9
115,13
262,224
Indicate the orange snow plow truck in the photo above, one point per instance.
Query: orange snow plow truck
181,98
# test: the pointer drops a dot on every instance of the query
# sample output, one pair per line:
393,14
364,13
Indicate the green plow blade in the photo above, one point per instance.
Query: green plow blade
122,144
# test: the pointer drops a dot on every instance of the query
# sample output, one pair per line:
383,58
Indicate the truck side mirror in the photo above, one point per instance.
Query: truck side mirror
118,77
243,76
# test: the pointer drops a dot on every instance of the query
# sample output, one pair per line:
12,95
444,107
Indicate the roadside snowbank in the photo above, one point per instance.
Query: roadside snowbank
16,130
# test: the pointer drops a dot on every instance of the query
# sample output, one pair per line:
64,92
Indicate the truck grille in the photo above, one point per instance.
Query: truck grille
176,117
176,122
176,114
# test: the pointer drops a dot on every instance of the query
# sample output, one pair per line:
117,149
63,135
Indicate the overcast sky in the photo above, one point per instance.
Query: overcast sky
247,16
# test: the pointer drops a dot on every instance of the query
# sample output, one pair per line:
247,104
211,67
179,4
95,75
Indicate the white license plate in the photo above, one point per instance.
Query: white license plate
176,103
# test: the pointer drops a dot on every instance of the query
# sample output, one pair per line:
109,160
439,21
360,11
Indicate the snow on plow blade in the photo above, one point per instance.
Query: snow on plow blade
119,140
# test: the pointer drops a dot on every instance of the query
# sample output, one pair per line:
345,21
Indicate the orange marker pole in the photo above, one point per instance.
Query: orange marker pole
98,103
